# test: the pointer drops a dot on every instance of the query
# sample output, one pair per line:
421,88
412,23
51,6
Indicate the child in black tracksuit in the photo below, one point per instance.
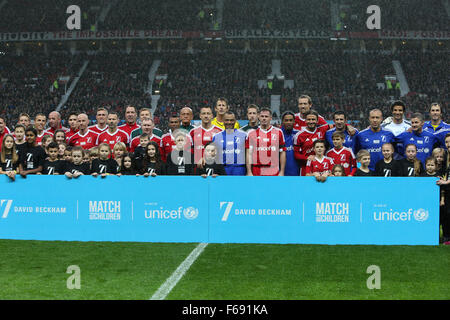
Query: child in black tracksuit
444,183
211,167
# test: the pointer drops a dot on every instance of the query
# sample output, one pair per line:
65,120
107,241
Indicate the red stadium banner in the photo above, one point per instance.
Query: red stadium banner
91,35
276,34
419,35
229,34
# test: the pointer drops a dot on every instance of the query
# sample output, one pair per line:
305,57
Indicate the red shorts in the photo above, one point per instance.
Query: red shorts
265,171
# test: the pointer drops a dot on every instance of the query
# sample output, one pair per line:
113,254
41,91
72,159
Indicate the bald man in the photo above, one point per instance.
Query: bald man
84,138
54,123
186,116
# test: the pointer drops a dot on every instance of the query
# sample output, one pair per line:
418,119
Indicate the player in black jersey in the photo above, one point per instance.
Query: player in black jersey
410,166
387,167
363,157
212,167
152,164
439,155
52,165
104,165
179,161
32,157
444,183
9,159
128,167
19,133
77,167
430,168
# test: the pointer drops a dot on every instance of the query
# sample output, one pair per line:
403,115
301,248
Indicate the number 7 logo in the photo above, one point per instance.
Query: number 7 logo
227,209
8,206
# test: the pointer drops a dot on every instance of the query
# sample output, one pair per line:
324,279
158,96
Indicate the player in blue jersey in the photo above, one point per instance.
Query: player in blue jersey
436,123
424,141
287,126
230,145
440,137
340,125
373,138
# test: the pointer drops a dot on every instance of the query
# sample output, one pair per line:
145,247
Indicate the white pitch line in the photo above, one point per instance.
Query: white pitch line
176,276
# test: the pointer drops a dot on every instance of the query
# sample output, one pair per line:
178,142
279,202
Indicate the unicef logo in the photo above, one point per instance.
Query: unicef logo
190,213
421,214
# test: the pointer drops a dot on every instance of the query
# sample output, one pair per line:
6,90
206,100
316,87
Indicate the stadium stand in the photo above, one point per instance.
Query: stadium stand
398,15
196,72
40,16
198,80
280,15
28,82
112,78
142,14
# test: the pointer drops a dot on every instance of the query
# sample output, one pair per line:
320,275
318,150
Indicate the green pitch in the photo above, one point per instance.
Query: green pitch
108,270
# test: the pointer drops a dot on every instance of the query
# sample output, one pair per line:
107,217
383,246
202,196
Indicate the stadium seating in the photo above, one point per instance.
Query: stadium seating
27,82
279,15
45,15
396,15
428,79
147,15
336,77
112,78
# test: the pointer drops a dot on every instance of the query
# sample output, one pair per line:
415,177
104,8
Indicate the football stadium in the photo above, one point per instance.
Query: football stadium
224,150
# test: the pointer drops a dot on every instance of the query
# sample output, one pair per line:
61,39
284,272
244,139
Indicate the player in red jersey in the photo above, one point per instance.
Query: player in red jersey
3,129
304,140
340,154
167,140
320,166
73,126
39,124
102,119
147,128
265,148
304,106
203,134
130,118
84,138
166,145
54,123
113,134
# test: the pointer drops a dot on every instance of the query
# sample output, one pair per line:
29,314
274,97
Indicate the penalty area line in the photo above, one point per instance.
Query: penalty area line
176,276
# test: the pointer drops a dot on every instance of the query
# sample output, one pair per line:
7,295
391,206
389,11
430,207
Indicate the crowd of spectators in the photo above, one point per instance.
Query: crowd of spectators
336,79
160,15
277,15
197,15
27,83
400,15
112,78
428,78
48,15
199,79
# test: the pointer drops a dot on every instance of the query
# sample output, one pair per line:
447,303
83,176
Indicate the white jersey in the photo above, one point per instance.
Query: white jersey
395,128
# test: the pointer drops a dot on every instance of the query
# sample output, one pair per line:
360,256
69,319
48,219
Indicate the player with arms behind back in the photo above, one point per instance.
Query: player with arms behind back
265,148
